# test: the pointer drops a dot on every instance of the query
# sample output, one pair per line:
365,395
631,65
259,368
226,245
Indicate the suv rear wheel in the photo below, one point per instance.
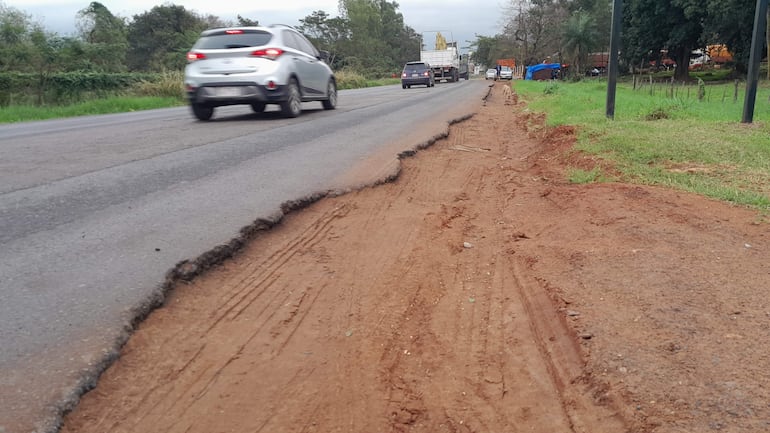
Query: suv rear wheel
202,112
292,106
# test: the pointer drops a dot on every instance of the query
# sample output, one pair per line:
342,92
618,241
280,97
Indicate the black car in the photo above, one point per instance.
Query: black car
417,73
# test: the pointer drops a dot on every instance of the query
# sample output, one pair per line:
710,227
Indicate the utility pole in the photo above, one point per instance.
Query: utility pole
757,42
612,66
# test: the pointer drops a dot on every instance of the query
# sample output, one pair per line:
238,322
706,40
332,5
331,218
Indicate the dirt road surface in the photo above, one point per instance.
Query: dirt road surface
478,292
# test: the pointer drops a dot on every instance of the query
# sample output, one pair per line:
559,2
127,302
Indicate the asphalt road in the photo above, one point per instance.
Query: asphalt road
95,211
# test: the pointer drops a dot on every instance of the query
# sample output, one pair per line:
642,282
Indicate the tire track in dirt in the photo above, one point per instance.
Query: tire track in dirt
399,308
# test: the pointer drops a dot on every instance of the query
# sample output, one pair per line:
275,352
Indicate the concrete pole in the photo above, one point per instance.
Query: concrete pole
612,73
757,45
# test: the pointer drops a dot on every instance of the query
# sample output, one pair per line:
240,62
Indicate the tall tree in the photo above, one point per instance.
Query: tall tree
365,50
379,41
600,12
159,38
488,49
535,28
397,35
580,38
326,33
15,38
677,24
247,22
105,37
731,22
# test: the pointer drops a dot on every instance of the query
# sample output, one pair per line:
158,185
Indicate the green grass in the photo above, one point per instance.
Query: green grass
96,106
666,136
578,175
705,75
353,80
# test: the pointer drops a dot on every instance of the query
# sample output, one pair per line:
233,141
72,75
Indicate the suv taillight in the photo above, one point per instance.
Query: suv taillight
268,53
192,56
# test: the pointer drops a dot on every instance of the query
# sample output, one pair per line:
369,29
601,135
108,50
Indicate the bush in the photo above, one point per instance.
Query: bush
349,79
167,85
64,88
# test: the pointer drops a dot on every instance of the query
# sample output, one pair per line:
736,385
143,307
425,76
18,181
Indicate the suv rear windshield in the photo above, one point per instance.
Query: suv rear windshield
222,40
415,66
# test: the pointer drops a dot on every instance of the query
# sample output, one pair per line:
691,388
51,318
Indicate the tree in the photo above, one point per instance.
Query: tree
158,39
105,37
366,49
15,39
246,22
534,28
402,40
731,22
600,12
580,38
378,41
214,22
483,48
677,26
326,33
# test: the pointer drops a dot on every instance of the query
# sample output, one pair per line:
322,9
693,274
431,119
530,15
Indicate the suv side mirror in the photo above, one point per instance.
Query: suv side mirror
324,55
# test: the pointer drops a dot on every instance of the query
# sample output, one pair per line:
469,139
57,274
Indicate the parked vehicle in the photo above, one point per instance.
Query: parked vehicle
257,66
491,74
417,73
597,62
506,73
698,59
718,53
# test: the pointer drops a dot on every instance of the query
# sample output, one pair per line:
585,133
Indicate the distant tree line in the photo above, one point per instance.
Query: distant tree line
368,35
567,31
371,38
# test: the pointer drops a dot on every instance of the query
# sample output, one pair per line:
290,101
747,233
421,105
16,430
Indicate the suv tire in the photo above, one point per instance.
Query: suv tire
292,106
202,112
258,107
331,92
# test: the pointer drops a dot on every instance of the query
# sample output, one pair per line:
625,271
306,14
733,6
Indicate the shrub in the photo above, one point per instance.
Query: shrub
166,84
349,79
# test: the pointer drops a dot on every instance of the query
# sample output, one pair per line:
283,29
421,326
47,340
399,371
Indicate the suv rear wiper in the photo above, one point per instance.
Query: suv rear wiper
236,46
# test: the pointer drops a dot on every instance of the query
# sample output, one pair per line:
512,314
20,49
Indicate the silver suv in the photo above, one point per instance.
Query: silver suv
257,66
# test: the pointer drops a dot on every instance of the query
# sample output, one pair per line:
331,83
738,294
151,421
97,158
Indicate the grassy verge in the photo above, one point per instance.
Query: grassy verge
97,106
163,92
666,137
354,80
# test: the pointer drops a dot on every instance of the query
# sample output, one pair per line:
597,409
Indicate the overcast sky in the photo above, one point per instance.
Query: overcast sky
463,18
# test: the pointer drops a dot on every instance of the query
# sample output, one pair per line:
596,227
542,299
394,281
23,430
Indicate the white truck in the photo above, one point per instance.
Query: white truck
444,62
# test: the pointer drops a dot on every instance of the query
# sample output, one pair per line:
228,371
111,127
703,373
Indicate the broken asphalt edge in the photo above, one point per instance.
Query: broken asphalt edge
187,270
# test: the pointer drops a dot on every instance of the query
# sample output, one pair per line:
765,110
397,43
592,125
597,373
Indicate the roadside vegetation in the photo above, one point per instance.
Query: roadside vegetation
115,63
111,56
134,92
686,137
